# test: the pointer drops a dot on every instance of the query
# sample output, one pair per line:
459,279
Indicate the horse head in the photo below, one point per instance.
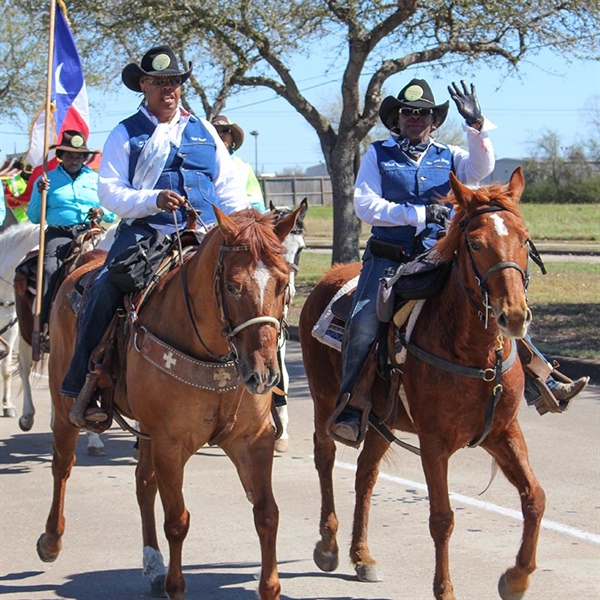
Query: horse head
490,244
251,283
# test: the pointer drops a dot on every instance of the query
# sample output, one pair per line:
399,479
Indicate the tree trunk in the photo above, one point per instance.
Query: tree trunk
346,226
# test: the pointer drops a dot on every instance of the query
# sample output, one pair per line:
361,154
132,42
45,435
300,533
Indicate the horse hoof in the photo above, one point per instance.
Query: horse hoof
505,593
281,445
96,451
326,561
9,412
157,587
26,423
43,552
367,573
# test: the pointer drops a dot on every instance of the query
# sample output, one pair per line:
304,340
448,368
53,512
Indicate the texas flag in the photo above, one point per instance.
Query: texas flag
69,100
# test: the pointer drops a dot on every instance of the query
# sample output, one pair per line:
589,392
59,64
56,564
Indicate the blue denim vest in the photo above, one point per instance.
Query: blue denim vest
405,181
190,170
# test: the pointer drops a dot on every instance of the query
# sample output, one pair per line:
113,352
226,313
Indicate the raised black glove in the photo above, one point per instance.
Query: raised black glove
466,103
437,213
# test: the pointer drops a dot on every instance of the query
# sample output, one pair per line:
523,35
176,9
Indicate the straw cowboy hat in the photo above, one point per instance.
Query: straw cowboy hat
237,133
159,61
415,94
72,141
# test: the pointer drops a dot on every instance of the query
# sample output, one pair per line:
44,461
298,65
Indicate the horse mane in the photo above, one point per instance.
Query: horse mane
491,195
257,233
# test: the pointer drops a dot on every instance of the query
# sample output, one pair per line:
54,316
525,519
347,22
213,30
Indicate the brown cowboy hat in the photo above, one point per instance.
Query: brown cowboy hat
72,141
415,94
159,61
237,133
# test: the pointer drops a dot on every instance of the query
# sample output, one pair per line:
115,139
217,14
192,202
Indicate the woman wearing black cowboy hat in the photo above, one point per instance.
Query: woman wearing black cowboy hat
71,202
397,188
154,164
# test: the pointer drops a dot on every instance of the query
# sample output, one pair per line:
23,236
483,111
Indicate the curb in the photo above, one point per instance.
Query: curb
571,367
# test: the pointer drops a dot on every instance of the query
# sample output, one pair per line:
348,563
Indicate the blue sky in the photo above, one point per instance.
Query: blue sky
548,94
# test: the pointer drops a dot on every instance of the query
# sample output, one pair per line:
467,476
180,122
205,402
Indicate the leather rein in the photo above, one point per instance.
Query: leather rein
490,374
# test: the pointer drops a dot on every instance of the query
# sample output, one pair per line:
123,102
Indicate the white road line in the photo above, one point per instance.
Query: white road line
507,512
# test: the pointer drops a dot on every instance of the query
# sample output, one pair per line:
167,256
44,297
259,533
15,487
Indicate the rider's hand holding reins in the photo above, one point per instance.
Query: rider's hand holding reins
437,213
467,104
169,200
43,184
95,214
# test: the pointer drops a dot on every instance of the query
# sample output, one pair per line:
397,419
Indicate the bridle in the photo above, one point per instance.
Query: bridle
228,330
499,266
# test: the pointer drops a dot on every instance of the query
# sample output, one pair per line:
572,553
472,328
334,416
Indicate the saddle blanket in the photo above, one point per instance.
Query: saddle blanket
329,330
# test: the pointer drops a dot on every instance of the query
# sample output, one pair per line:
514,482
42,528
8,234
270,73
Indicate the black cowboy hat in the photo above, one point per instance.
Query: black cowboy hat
237,133
159,61
72,141
415,94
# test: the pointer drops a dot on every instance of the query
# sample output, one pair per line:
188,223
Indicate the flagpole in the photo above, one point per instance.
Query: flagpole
36,337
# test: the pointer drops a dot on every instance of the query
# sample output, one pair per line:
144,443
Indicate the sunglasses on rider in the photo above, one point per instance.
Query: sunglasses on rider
224,130
164,82
421,112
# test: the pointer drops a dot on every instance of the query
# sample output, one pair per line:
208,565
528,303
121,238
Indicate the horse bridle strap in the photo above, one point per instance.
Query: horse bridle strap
8,325
229,330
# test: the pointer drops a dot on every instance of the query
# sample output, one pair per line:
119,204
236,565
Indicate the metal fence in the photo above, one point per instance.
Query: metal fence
290,191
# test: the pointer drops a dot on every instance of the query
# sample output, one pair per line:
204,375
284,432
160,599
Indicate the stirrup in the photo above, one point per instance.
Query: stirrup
547,402
99,420
344,401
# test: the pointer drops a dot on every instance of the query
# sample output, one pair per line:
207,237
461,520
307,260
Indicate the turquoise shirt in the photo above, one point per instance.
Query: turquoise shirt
68,200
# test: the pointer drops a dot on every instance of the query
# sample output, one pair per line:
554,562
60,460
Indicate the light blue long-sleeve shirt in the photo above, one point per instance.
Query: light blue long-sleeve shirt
68,200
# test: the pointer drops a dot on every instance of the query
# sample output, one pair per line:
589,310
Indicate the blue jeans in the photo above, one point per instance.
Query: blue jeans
103,300
363,325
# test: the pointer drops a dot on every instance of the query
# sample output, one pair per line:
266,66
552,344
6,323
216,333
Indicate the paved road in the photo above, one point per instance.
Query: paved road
101,556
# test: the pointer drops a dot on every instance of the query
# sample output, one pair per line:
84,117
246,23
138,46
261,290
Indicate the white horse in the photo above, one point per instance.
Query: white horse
293,245
15,242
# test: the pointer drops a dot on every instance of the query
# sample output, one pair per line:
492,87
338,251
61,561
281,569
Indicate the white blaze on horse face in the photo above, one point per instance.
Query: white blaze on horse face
261,276
499,225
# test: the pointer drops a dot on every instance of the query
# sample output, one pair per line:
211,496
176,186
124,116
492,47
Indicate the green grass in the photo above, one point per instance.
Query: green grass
546,222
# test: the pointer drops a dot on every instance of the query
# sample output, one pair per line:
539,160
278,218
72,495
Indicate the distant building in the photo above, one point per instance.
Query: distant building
503,170
319,170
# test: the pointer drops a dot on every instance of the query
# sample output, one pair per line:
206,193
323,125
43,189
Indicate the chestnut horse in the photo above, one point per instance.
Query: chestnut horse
488,243
221,312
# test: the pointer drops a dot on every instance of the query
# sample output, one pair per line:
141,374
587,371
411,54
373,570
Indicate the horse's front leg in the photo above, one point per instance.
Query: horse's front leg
167,457
8,408
146,488
254,464
367,472
326,552
64,443
434,458
25,362
510,452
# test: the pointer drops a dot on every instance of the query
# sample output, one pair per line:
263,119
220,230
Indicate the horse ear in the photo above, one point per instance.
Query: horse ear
229,228
285,225
516,185
271,205
462,193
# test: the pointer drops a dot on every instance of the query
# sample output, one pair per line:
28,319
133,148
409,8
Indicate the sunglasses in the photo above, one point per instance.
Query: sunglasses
170,82
416,111
224,130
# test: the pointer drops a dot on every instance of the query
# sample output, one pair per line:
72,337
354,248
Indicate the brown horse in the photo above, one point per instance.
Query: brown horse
488,243
216,323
